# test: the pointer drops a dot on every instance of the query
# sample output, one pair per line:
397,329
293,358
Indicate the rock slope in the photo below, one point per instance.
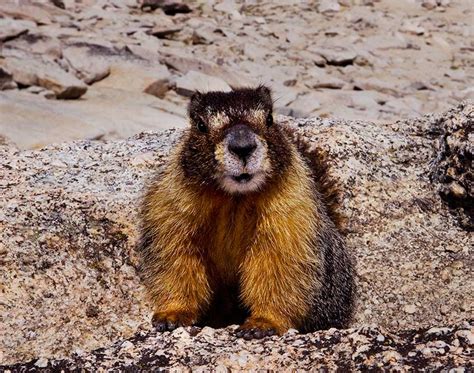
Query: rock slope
127,66
68,217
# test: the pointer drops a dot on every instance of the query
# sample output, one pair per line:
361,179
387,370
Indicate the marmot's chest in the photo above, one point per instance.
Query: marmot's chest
232,233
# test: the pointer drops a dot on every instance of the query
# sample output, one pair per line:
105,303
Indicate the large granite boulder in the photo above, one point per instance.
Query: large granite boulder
68,281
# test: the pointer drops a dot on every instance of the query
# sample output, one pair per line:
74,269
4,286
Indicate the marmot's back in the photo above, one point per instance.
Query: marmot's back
243,224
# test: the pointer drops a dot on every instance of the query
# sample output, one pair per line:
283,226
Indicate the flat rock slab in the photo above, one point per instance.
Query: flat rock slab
68,219
46,74
11,28
103,112
195,81
86,67
26,12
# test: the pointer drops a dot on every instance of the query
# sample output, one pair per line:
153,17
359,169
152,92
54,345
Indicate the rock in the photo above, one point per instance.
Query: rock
195,81
64,85
6,80
255,52
334,55
386,42
466,335
134,77
452,168
410,308
429,4
89,189
185,64
457,190
34,43
11,28
321,79
41,363
230,7
412,28
439,331
348,350
45,74
59,3
163,31
169,7
328,7
46,93
86,67
34,89
304,105
383,84
104,113
158,88
250,43
203,35
283,95
26,12
444,310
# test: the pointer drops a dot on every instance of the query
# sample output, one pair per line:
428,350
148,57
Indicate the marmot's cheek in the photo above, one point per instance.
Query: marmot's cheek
259,161
219,155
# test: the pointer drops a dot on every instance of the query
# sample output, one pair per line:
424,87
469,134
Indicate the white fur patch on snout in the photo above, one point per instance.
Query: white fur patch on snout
231,167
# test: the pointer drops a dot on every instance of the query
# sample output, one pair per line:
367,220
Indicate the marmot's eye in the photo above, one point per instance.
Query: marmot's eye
201,126
269,119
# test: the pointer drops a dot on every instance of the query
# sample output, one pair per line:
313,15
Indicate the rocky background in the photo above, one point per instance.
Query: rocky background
105,69
102,71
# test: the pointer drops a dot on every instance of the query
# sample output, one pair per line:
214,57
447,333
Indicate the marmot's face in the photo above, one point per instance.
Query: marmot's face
233,143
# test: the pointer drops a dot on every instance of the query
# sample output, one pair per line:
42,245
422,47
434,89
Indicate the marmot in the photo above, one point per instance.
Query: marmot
242,226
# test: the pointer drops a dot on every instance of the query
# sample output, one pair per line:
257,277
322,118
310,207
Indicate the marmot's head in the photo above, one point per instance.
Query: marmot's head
233,143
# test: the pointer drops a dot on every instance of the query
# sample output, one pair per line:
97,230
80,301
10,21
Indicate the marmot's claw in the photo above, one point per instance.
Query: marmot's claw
163,325
163,322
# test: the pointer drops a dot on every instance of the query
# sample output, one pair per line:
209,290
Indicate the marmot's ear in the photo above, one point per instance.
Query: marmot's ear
263,89
194,104
196,97
265,95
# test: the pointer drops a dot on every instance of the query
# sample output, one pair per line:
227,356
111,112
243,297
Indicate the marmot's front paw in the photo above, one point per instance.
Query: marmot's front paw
168,321
257,328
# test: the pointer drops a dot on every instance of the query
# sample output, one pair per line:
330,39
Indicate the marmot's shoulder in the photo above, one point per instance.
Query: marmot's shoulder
317,160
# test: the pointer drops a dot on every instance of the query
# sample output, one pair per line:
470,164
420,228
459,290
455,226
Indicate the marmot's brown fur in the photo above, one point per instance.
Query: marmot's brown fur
242,226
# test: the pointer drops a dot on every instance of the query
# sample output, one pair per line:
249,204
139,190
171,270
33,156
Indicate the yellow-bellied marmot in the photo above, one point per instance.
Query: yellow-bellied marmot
242,226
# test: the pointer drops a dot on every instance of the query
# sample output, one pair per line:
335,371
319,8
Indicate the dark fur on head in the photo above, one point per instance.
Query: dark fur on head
212,114
240,99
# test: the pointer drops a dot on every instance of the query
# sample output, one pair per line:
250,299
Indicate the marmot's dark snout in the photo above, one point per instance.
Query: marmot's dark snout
241,141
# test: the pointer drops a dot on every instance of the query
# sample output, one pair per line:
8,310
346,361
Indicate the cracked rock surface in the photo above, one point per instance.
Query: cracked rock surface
68,281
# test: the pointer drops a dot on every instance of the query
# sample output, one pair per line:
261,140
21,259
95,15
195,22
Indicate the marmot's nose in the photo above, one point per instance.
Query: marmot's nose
243,151
242,141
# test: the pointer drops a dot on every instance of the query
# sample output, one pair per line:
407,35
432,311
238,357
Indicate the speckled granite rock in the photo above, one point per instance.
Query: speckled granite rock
346,350
68,227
